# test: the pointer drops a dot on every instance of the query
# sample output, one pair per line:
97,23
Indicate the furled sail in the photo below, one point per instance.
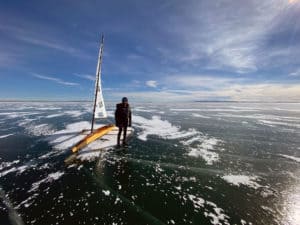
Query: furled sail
100,111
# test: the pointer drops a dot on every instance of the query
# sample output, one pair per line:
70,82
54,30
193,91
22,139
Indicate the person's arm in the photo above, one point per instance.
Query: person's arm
129,116
116,114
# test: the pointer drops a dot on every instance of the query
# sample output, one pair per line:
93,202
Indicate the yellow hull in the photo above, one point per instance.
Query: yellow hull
98,133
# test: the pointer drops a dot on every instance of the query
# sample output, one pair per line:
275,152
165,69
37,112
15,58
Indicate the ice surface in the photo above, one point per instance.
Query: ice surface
213,110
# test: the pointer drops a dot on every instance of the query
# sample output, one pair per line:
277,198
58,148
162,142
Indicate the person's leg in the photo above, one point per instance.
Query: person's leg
119,135
124,135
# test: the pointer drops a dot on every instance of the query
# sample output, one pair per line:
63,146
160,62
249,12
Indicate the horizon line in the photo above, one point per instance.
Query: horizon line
192,101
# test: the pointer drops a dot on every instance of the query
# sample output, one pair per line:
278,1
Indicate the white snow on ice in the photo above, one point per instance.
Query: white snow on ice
5,136
39,130
200,116
164,129
19,169
204,148
216,217
64,139
107,193
4,165
297,159
272,123
50,178
238,180
213,110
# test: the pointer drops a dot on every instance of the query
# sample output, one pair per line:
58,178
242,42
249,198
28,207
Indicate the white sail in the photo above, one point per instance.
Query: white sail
100,111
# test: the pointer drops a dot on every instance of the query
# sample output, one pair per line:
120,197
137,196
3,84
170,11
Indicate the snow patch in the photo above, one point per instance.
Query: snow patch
238,180
204,149
106,193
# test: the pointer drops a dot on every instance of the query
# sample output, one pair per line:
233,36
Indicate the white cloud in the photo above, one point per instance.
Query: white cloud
295,73
151,83
54,79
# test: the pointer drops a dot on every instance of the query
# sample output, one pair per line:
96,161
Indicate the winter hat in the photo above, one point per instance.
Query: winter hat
124,100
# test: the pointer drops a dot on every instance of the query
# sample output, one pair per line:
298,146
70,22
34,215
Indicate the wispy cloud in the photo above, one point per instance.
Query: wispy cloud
255,92
263,92
86,76
54,79
45,39
151,83
228,36
198,81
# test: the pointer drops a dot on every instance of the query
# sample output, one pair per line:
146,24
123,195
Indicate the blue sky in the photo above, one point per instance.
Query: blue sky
154,50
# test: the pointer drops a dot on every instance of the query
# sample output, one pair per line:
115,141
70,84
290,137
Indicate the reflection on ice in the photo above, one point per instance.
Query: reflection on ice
292,205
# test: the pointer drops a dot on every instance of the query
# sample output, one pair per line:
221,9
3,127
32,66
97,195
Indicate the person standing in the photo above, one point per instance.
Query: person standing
123,119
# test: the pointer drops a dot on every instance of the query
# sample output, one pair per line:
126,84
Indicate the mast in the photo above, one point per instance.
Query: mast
98,74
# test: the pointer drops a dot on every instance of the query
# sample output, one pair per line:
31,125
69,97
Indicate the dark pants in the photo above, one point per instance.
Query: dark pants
124,134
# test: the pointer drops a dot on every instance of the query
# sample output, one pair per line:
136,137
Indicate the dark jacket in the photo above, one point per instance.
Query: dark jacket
123,115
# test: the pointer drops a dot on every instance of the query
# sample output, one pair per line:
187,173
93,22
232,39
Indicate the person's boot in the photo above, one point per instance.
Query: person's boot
118,143
125,144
